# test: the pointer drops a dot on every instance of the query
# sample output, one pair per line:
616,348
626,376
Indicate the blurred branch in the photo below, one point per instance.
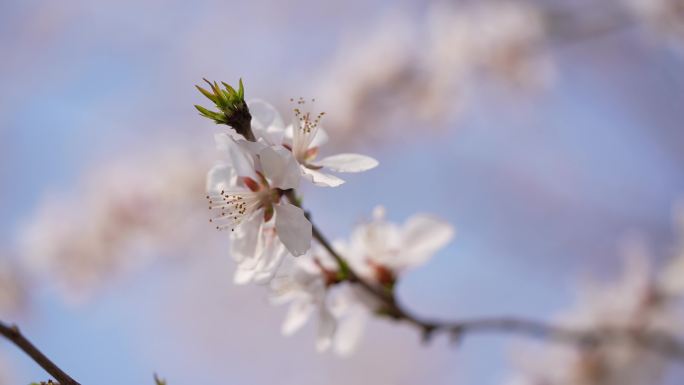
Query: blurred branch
13,334
662,343
569,27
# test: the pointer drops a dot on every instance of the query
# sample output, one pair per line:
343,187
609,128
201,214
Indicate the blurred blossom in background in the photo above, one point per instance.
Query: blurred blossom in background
548,134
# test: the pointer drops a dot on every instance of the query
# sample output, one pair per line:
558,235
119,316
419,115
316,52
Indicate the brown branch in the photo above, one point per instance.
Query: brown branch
571,26
658,342
662,343
13,334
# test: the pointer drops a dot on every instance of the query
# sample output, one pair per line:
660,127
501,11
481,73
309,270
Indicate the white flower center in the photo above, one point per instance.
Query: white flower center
304,133
234,207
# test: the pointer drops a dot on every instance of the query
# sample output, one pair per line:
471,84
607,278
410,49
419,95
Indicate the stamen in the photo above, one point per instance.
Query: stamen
307,124
232,208
307,130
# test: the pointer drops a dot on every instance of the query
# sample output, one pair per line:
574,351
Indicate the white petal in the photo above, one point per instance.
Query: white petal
348,162
238,152
379,213
321,179
223,141
264,114
288,137
280,167
243,275
349,332
672,277
326,329
220,178
264,258
299,312
320,139
423,235
293,229
299,139
283,287
253,148
266,121
380,240
245,239
273,257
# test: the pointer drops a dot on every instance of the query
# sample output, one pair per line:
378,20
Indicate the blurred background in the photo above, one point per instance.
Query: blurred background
547,132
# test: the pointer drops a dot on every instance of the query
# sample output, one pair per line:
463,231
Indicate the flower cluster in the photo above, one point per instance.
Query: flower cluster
379,251
251,194
640,301
663,17
431,63
246,190
123,216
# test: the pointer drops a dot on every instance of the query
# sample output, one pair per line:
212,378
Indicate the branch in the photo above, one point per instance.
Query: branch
569,26
661,343
13,334
658,342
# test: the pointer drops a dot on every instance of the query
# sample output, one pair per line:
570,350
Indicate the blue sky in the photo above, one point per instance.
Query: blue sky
540,189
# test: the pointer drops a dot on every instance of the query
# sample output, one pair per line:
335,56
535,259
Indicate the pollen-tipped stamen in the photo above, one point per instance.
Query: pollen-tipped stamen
306,132
232,208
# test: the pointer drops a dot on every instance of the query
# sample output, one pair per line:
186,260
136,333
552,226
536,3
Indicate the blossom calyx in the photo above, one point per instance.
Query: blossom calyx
232,109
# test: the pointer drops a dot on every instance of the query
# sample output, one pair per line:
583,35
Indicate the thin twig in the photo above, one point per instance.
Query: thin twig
13,334
661,343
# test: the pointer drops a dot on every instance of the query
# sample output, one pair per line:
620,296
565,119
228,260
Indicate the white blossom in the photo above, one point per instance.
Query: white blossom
664,18
259,254
303,137
245,192
380,250
303,283
499,38
121,216
406,69
635,303
311,286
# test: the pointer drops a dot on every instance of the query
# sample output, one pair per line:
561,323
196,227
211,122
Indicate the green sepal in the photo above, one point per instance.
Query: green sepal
241,90
216,116
206,93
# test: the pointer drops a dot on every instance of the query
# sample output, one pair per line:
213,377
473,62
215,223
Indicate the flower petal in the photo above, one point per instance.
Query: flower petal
422,236
244,241
220,178
243,275
280,167
349,331
266,121
293,229
299,312
238,153
321,179
272,258
348,162
672,277
326,329
320,139
261,257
